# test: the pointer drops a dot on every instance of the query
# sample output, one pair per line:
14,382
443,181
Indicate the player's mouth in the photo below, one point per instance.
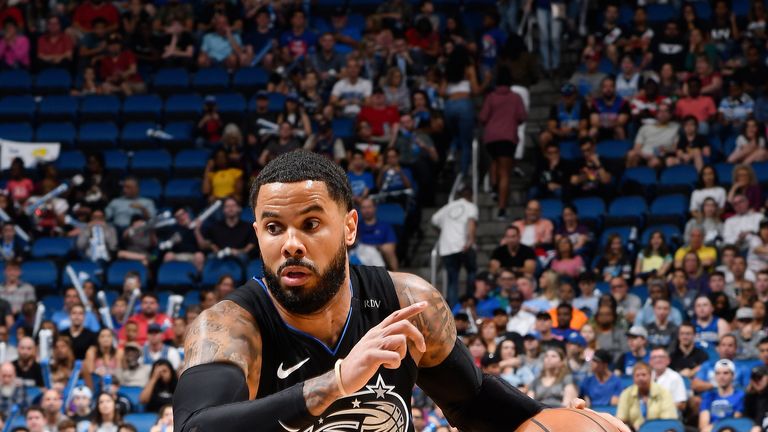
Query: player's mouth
295,275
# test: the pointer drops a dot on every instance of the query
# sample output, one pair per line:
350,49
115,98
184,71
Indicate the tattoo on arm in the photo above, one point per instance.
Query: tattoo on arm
320,392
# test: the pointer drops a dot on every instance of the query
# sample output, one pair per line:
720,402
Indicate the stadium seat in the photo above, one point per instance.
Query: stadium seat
626,381
180,132
183,192
216,268
115,161
97,134
639,179
85,270
176,274
99,107
623,232
743,424
590,207
132,393
53,80
52,247
60,132
142,107
171,80
53,303
551,208
390,213
703,10
641,291
343,127
151,188
57,107
668,209
70,162
15,81
189,162
40,274
249,80
183,107
613,149
678,179
118,269
740,8
17,108
16,131
659,425
569,150
761,171
231,106
626,210
210,80
134,135
151,163
191,298
671,233
255,269
724,172
276,102
660,13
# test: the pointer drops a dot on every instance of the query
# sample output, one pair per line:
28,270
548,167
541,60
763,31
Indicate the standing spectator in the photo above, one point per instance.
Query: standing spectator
723,402
637,339
27,367
609,113
121,209
159,390
118,69
554,386
601,388
503,111
351,92
90,10
551,14
82,338
518,257
377,234
14,290
229,237
457,222
668,378
644,400
55,47
14,47
460,85
97,241
223,46
686,357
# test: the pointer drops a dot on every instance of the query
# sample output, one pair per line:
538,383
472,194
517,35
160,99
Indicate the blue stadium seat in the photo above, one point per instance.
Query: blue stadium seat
151,162
84,270
743,424
343,127
15,81
162,299
53,80
111,295
231,106
17,108
668,209
181,133
97,134
724,172
703,10
613,149
134,134
192,297
118,269
216,268
659,425
172,80
60,132
641,291
390,213
627,210
671,233
248,80
622,231
590,207
183,107
551,208
740,8
40,274
211,80
183,191
608,409
16,131
52,247
190,162
254,269
99,107
132,393
115,161
151,188
660,13
569,150
70,162
57,107
19,421
53,303
142,421
174,274
761,171
643,176
142,107
626,381
678,178
276,102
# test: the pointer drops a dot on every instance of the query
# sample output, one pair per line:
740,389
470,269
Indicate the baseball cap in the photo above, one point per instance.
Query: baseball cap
568,89
725,363
745,313
602,355
154,327
489,359
638,331
577,339
82,391
759,371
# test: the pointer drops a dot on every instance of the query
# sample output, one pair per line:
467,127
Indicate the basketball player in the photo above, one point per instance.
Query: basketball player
322,345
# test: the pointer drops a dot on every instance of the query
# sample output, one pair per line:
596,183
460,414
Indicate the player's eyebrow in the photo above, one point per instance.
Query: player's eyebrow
271,214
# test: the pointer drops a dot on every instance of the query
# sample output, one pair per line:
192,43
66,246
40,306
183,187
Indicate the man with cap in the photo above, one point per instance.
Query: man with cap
133,372
155,349
747,333
567,118
118,69
490,364
706,378
667,378
724,401
81,400
756,399
637,339
574,355
601,388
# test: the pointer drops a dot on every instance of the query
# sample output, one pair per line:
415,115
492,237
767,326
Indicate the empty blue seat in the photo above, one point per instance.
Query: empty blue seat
742,424
627,209
622,231
134,134
660,13
85,270
643,176
171,80
740,8
142,421
250,79
613,149
57,107
276,101
15,81
390,213
703,10
151,188
191,161
183,191
151,162
115,161
52,304
60,132
590,207
659,425
16,131
231,105
97,134
211,80
99,107
176,274
142,107
569,150
677,177
51,247
641,291
40,274
191,298
669,208
180,132
551,208
761,171
17,108
724,172
183,106
255,269
216,268
53,80
132,393
70,162
118,269
343,127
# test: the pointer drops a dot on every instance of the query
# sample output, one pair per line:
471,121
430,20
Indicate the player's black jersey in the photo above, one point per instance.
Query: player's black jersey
290,356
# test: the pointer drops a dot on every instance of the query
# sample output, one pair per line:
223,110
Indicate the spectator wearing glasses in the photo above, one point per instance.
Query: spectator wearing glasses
668,378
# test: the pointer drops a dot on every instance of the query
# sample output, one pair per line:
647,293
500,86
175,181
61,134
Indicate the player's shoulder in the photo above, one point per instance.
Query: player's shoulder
411,289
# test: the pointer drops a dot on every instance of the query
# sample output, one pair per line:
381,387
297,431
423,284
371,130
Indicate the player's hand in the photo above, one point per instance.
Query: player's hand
384,345
581,404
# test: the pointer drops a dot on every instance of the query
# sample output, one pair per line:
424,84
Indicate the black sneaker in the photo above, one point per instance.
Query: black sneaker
501,215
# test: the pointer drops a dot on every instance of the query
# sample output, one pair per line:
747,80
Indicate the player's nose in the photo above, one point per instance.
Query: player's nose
293,246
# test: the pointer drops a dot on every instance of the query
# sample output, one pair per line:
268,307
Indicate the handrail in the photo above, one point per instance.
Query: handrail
475,170
433,260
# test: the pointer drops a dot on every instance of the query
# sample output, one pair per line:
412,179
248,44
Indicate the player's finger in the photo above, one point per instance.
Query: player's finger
390,360
396,343
407,328
403,313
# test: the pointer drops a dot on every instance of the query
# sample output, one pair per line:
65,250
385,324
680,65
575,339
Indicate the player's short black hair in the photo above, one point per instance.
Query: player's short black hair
302,165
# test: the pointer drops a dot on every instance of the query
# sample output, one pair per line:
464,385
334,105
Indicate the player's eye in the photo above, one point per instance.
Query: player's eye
274,228
311,224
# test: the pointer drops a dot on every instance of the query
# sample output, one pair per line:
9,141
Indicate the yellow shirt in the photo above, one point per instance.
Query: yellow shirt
704,253
223,182
660,406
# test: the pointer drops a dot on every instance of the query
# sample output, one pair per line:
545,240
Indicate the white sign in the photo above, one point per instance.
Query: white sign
30,153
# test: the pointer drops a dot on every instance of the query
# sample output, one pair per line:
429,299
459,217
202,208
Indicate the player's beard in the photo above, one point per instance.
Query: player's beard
305,300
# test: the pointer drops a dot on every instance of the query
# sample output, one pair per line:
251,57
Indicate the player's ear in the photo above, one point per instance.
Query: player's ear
350,227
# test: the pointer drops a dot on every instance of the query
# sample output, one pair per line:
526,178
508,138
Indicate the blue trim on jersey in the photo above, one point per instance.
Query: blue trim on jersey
305,334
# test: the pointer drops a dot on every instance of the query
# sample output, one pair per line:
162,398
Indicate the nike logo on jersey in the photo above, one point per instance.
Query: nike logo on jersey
283,373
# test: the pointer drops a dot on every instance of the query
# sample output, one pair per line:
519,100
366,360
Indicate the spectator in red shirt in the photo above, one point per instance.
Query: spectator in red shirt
424,38
19,186
149,314
14,47
384,119
117,69
695,104
82,20
11,12
55,47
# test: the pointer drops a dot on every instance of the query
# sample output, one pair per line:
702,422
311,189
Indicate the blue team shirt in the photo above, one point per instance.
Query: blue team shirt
721,407
377,234
359,182
492,41
707,373
562,334
630,361
298,45
600,393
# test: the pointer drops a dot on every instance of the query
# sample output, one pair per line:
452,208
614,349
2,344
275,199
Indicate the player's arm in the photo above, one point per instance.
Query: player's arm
470,399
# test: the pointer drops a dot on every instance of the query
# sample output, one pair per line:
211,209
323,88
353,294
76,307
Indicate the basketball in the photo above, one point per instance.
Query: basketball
567,419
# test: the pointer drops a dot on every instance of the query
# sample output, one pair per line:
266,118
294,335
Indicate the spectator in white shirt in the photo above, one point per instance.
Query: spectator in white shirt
745,223
668,378
757,257
351,92
155,349
520,321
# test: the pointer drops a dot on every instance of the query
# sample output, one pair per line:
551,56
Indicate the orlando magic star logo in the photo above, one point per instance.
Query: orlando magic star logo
378,408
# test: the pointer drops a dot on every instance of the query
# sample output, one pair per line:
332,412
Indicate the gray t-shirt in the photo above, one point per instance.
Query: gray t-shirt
552,395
